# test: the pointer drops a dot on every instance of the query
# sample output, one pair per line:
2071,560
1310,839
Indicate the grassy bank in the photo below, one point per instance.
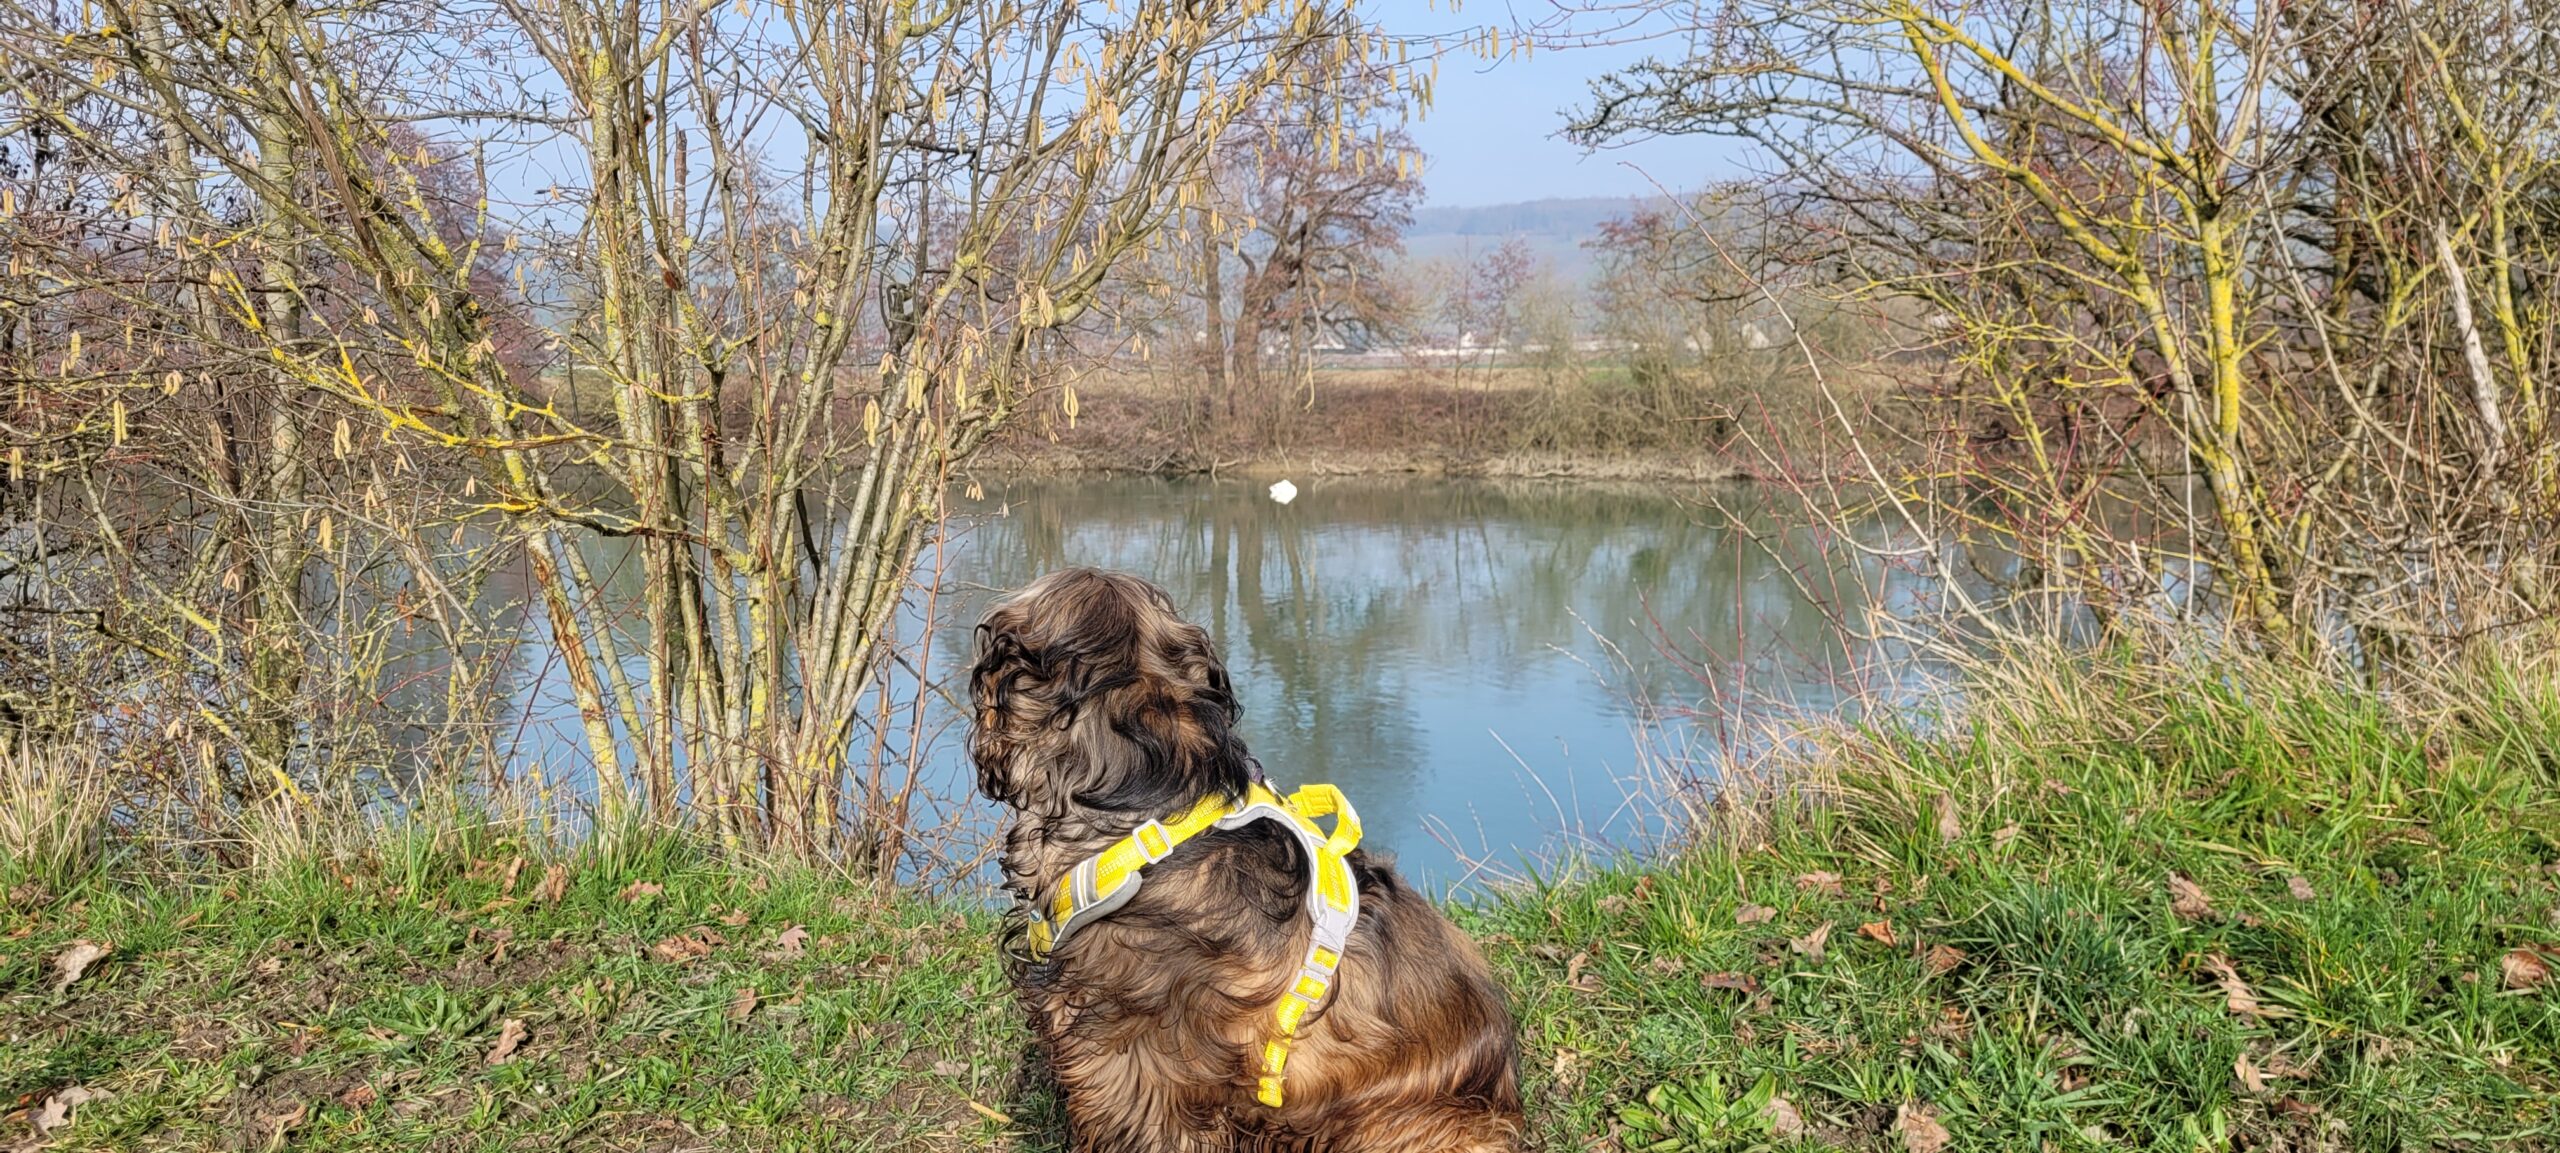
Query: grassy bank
2115,909
1593,421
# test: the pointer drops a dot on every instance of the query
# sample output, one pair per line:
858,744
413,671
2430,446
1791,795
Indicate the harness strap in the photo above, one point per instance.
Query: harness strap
1102,883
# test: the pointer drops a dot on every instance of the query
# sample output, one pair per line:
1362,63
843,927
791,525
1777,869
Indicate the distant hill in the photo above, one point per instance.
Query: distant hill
1554,230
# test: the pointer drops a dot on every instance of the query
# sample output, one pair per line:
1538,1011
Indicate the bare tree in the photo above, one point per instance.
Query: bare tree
2182,265
730,291
1314,192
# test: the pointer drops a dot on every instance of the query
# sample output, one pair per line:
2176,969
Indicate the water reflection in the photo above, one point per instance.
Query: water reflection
1467,659
1471,661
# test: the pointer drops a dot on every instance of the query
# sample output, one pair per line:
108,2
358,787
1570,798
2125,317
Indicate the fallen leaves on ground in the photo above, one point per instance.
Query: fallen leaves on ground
1566,1069
360,1098
1578,980
73,962
1918,1125
2236,994
511,1035
1823,882
793,942
2001,837
743,1005
953,1069
1810,945
2187,899
2301,889
1785,1123
279,1124
1750,914
56,1110
637,890
553,887
1880,932
736,918
687,947
2251,1080
1736,982
1949,828
1941,960
2527,968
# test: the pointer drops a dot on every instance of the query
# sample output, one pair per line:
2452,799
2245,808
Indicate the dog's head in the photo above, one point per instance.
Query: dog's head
1089,692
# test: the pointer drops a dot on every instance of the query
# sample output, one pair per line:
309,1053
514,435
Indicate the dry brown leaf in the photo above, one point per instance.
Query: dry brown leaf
73,963
686,947
2001,837
1576,979
1810,945
743,1005
279,1124
2301,889
359,1098
954,1069
1942,960
554,885
736,918
2236,994
1735,982
1918,1125
56,1110
2187,899
1784,1122
515,868
1880,932
2526,968
1750,914
2251,1080
2282,1065
1566,1069
511,1034
639,889
1823,882
793,942
1949,828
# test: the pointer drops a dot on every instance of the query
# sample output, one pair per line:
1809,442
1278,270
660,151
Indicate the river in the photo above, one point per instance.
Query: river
1502,675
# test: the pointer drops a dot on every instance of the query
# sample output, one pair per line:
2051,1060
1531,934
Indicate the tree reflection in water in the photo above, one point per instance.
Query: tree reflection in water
1474,654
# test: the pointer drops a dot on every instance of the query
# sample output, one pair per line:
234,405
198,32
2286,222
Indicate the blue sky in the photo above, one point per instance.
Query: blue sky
1493,134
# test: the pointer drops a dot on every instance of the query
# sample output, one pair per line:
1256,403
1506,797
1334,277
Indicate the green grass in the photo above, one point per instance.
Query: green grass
355,1007
2040,990
2073,1006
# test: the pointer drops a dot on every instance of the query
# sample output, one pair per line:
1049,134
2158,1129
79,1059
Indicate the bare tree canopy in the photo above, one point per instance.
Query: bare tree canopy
343,313
2279,277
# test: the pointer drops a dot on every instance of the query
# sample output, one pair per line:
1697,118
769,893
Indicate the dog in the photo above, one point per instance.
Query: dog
1097,709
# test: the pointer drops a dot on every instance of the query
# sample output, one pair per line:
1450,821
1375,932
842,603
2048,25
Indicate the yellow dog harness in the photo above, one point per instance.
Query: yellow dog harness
1102,883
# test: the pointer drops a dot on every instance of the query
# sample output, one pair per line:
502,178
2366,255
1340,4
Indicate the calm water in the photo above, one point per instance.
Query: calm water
1480,665
1497,673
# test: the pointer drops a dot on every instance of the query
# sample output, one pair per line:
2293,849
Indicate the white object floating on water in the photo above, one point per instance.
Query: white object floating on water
1284,492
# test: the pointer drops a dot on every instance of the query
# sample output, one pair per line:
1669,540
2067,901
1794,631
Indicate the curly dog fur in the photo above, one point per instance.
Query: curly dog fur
1098,708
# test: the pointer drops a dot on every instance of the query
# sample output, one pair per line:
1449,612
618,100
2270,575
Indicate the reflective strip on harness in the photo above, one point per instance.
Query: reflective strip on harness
1099,885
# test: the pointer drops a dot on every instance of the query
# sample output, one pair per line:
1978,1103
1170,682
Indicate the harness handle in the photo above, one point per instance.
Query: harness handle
1314,801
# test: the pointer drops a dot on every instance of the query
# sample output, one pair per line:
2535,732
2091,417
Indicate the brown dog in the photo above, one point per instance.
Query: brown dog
1097,709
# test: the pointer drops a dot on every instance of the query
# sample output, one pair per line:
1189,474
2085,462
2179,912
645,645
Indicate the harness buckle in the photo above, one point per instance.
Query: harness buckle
1154,842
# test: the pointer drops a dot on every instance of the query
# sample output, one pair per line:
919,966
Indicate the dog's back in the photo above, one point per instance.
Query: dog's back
1098,709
